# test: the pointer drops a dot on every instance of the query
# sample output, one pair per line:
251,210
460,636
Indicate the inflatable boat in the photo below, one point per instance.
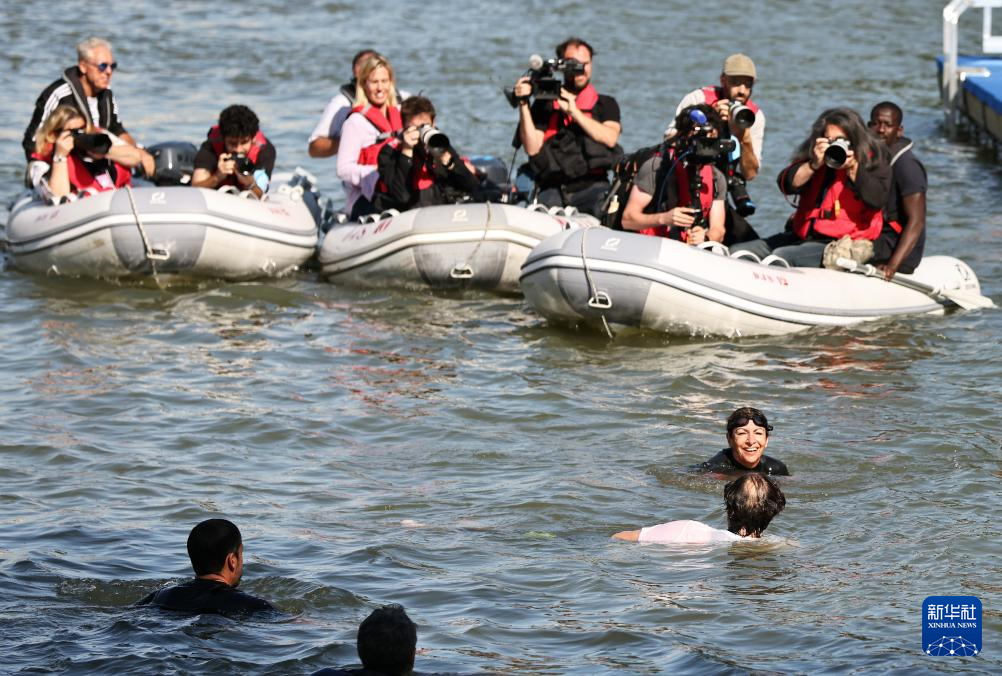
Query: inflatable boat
469,245
170,232
602,276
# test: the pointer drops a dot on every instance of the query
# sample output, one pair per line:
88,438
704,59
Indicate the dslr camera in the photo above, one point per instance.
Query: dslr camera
99,143
242,164
434,141
837,152
542,75
743,116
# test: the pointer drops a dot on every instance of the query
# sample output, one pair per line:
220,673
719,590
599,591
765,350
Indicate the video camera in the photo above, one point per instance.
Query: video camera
99,143
701,148
541,73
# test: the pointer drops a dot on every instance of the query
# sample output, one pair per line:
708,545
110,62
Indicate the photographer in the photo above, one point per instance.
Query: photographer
68,161
571,141
235,153
841,177
678,192
421,168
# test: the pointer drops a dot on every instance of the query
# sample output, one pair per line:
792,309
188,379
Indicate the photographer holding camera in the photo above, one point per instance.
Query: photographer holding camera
235,153
571,135
71,159
678,192
841,177
419,167
744,121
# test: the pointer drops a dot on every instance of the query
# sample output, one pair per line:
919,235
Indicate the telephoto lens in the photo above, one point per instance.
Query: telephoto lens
837,152
432,138
743,116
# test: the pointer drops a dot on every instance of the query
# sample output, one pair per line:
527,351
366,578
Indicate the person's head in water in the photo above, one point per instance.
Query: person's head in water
387,641
752,501
748,436
216,551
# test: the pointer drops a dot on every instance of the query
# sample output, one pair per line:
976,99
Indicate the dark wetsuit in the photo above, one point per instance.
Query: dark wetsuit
205,596
347,672
724,463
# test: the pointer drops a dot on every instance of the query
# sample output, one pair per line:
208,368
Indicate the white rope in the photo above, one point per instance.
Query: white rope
598,300
152,255
465,271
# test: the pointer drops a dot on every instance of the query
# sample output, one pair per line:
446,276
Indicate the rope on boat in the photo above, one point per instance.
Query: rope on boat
465,271
152,254
598,300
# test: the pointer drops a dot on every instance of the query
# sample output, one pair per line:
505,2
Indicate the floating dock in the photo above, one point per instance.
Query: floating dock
971,85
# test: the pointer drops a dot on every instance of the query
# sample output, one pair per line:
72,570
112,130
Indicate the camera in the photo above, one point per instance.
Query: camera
98,144
743,116
737,188
701,148
837,152
242,164
545,86
434,141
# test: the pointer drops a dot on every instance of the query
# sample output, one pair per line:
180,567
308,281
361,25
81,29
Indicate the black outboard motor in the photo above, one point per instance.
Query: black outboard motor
493,175
175,162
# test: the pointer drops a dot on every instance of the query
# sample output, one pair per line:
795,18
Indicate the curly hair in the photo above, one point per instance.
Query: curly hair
238,121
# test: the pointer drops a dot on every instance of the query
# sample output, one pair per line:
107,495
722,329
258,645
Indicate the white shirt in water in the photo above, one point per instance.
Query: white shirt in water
686,532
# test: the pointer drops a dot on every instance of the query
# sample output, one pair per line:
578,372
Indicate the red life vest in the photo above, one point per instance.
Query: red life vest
681,177
215,137
714,94
837,212
82,180
585,100
370,154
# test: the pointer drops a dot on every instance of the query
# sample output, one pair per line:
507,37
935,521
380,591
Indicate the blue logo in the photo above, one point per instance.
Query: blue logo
951,626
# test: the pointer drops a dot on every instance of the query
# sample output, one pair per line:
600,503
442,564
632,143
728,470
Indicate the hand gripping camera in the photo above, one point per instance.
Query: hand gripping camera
545,86
243,164
837,152
98,144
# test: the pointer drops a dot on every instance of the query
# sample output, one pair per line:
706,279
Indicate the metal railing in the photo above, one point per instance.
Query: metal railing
953,74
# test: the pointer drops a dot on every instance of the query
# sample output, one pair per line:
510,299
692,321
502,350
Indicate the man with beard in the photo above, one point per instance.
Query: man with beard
572,141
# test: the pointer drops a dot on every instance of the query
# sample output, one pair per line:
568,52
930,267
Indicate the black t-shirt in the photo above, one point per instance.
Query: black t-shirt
909,178
205,596
724,463
207,159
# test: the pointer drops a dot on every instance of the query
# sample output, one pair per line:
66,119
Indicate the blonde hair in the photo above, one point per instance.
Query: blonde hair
372,64
46,134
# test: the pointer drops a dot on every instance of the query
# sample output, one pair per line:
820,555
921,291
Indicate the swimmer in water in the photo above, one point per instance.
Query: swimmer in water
751,500
747,438
216,550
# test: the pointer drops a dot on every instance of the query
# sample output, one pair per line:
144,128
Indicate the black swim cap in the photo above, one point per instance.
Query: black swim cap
744,415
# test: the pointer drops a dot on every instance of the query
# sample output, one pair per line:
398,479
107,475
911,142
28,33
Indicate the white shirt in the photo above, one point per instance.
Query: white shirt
358,179
337,111
686,532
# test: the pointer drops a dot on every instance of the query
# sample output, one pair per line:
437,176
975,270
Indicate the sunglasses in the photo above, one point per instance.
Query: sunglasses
103,66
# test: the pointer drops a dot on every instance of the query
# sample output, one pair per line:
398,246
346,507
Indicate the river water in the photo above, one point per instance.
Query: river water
454,453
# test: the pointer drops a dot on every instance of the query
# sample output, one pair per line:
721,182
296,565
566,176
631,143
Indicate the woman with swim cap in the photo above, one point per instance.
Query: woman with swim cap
747,438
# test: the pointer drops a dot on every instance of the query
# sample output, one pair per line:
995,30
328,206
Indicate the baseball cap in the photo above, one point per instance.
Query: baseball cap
739,64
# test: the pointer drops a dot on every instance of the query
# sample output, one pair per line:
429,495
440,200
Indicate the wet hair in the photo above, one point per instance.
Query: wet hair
373,63
387,640
210,542
46,134
359,55
897,115
870,150
238,121
752,501
684,124
416,105
744,415
573,42
85,48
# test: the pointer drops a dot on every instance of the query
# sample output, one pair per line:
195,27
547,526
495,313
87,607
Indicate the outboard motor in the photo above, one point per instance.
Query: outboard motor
493,175
175,162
